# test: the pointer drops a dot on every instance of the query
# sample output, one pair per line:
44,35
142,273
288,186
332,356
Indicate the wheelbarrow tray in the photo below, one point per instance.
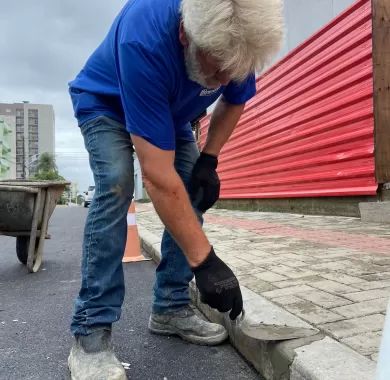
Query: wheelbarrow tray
25,210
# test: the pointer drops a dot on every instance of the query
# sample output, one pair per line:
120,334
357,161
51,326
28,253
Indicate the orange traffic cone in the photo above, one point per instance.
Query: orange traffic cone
133,246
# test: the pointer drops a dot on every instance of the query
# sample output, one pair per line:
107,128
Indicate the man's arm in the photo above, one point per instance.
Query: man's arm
219,290
223,121
171,201
205,185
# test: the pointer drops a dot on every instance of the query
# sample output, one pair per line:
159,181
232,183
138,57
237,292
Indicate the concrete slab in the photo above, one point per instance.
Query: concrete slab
330,360
375,212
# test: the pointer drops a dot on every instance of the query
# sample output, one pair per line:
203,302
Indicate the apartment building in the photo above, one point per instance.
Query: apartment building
7,141
30,133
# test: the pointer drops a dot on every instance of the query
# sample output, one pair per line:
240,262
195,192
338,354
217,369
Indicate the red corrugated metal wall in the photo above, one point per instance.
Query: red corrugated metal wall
308,132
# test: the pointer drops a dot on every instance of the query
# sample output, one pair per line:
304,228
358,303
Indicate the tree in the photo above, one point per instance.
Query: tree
46,168
46,163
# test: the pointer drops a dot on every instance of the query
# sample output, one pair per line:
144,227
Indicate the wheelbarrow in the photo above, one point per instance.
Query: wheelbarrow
25,209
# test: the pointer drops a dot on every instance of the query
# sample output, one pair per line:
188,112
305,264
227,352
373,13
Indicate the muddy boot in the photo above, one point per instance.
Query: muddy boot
92,358
189,326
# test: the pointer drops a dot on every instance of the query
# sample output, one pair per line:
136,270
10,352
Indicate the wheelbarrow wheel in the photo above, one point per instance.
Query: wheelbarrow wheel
22,243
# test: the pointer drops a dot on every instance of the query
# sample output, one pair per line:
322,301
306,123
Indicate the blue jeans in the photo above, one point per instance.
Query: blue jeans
102,288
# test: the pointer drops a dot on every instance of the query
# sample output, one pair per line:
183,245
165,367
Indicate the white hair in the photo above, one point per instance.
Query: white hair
242,34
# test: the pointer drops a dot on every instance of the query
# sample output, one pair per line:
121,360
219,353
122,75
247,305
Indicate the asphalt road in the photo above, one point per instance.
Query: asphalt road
35,311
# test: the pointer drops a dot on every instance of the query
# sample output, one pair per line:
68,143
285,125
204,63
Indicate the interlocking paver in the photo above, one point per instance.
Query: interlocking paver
300,273
324,299
334,287
260,253
286,300
235,262
368,294
287,291
290,272
377,276
343,278
260,287
279,269
339,265
368,285
270,276
362,308
312,313
255,284
248,269
302,281
359,271
309,260
368,243
331,271
294,263
256,260
289,283
367,344
354,326
288,256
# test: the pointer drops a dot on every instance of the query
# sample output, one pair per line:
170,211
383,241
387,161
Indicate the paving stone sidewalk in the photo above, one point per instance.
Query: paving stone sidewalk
333,272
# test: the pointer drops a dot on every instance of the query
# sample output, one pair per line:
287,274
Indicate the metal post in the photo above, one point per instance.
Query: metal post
381,66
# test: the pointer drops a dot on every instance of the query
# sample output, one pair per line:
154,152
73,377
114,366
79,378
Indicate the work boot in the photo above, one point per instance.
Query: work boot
92,358
189,326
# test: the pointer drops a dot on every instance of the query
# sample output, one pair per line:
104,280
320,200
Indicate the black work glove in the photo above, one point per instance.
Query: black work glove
204,184
218,286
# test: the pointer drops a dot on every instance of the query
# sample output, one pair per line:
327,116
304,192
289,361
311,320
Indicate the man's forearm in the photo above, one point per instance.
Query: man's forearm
172,204
223,121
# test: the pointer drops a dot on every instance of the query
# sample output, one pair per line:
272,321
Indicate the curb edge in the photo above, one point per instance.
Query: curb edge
281,360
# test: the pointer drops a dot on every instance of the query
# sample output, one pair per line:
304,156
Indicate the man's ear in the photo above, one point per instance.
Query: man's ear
182,35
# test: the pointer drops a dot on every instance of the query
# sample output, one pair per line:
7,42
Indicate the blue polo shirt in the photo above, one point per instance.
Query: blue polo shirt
137,76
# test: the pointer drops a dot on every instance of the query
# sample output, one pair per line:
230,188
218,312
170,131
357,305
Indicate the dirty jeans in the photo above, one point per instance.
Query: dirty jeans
102,288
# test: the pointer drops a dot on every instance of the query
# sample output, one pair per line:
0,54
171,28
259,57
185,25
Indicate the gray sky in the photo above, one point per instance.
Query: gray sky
44,45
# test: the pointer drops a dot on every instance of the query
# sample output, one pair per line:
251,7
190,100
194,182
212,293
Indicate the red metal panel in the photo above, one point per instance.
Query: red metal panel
309,131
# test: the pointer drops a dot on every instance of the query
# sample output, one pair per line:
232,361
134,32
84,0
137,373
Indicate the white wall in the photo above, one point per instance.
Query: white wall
303,18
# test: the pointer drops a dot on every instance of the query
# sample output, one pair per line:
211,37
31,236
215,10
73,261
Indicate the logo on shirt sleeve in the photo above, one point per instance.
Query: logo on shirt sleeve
209,91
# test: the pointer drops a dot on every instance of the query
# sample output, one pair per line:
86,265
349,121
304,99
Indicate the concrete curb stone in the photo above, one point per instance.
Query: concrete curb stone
328,359
316,357
375,212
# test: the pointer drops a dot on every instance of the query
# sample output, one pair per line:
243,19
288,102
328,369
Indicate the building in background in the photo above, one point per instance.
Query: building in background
31,134
7,142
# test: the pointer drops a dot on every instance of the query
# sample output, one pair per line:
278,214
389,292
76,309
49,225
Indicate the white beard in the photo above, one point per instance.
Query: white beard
193,68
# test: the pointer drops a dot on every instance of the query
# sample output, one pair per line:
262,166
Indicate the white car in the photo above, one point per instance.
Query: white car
89,195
